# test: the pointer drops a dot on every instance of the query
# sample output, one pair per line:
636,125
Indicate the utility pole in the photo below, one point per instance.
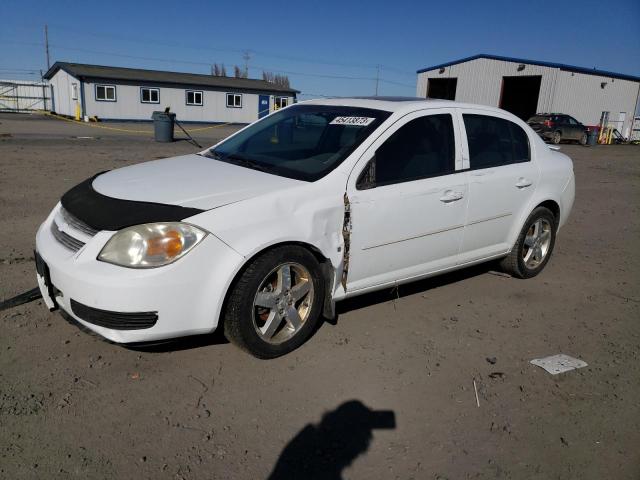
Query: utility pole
377,78
46,44
44,90
246,55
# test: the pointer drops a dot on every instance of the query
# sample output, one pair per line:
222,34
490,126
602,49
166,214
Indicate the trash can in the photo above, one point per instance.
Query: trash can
592,136
163,126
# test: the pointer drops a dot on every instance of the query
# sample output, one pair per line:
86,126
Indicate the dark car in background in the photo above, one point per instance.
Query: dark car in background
556,127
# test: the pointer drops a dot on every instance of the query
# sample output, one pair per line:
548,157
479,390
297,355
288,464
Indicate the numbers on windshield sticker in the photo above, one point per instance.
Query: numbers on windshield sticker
360,121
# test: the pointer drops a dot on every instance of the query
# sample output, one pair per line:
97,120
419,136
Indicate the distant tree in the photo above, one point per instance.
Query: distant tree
239,72
276,78
218,70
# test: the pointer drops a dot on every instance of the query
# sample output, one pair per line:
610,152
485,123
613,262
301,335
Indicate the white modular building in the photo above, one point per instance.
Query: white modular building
526,87
116,93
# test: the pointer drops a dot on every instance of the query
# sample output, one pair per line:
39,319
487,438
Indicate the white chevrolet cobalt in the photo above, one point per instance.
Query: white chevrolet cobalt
262,233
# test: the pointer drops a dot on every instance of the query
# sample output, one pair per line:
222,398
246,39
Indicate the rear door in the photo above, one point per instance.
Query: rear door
575,128
408,201
502,179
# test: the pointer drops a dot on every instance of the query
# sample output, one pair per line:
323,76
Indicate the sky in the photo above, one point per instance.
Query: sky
327,48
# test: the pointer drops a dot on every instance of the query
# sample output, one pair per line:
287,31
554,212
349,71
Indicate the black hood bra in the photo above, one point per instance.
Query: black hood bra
106,213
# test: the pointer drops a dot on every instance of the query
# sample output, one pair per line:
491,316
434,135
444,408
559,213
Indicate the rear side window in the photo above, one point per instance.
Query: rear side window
422,148
494,141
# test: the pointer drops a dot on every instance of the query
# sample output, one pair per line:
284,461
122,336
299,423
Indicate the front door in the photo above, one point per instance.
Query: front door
408,202
263,106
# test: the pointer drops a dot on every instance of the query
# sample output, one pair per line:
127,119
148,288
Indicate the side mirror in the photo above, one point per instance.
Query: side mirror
367,178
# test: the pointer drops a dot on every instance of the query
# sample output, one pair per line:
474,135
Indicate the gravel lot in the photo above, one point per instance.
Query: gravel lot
74,406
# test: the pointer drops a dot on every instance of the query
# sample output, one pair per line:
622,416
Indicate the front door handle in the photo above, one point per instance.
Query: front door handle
523,183
451,196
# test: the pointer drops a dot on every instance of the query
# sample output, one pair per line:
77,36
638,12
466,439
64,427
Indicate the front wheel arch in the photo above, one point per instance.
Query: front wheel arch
326,266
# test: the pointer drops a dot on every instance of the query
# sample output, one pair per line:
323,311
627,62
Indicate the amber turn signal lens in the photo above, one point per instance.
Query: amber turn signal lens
169,245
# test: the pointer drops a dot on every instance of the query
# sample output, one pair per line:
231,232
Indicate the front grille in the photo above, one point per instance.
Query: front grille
76,223
67,241
114,320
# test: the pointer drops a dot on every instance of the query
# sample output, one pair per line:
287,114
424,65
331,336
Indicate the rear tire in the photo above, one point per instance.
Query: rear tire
556,138
275,304
534,245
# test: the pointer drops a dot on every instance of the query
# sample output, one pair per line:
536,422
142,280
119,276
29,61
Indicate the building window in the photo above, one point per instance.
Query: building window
74,91
280,102
194,97
234,100
149,95
106,93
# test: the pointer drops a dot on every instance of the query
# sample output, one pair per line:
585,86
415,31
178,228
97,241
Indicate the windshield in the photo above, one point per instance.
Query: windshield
304,142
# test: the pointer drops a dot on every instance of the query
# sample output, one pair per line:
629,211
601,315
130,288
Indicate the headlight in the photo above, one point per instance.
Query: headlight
151,245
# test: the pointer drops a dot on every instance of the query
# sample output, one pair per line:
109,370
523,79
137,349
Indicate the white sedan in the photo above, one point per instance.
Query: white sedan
262,233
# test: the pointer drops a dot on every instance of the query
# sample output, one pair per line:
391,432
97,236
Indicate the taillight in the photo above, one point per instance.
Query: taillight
548,123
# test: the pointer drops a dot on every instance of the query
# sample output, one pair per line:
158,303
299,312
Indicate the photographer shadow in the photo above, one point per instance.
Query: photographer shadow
324,450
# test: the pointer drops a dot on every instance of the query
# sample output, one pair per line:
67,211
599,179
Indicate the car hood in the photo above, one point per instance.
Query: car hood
189,181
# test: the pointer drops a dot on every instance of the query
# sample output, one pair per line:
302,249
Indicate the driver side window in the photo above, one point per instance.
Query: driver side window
422,148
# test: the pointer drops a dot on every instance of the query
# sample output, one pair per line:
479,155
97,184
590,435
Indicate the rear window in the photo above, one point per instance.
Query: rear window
495,141
538,119
304,142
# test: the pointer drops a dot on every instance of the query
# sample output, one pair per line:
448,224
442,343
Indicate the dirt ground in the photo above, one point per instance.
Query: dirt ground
387,392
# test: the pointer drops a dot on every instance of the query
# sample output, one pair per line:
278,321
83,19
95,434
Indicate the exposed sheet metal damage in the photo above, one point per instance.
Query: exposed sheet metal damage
346,235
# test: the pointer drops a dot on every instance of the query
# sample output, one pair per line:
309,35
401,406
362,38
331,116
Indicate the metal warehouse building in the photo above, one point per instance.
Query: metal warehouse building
526,87
115,93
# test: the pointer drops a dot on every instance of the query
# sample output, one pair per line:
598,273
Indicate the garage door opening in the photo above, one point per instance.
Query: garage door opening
520,95
443,88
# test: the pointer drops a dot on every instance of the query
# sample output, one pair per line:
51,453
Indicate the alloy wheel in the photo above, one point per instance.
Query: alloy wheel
536,243
283,303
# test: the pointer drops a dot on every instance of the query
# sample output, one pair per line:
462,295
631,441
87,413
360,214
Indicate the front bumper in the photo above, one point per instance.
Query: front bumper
186,296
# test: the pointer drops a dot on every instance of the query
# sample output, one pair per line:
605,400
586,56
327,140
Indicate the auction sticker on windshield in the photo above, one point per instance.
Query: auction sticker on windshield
361,121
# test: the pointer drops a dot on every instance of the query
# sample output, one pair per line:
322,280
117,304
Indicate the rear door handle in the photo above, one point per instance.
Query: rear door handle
451,196
523,183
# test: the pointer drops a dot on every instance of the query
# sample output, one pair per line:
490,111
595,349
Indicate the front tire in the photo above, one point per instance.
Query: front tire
275,304
534,245
583,139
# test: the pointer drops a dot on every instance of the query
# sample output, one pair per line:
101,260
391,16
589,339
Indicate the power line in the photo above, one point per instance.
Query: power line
293,58
20,69
169,60
375,79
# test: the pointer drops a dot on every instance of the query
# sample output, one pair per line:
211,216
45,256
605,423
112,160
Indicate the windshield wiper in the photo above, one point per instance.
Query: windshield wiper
245,162
212,154
236,159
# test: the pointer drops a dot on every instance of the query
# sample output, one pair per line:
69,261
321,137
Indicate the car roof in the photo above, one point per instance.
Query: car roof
394,104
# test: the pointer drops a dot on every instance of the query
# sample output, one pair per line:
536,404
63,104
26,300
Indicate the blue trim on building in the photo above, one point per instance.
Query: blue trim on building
82,102
561,66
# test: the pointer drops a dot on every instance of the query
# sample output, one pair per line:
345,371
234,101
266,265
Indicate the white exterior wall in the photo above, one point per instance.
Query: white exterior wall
576,94
214,109
480,81
582,97
61,88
